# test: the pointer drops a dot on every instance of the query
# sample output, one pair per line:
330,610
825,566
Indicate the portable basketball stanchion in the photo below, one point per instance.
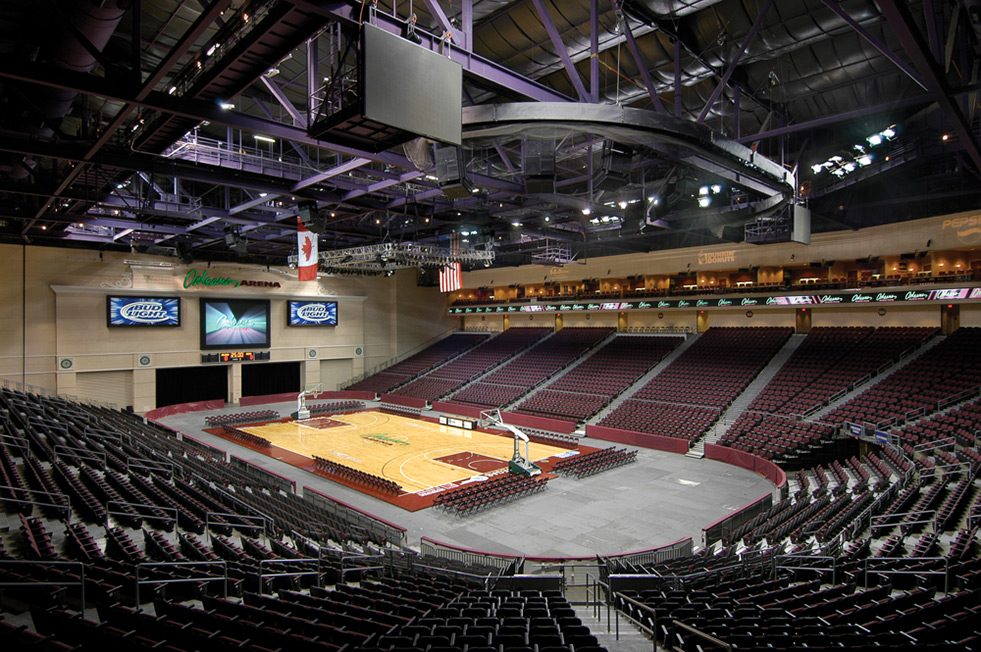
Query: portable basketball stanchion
519,464
302,411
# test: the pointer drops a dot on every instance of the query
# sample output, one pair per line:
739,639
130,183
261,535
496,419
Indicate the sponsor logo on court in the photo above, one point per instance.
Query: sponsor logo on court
383,438
435,490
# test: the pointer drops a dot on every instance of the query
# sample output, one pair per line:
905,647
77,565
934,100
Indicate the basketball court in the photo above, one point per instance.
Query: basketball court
421,456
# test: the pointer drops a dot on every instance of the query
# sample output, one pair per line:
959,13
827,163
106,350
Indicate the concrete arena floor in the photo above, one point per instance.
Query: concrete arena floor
659,499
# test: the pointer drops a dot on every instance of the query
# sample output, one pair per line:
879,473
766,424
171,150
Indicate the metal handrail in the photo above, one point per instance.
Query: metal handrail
21,562
180,580
269,562
945,560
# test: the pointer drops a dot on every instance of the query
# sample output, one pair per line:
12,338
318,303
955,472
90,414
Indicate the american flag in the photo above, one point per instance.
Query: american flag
451,275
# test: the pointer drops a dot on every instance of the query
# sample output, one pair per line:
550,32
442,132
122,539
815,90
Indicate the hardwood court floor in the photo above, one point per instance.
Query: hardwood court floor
418,455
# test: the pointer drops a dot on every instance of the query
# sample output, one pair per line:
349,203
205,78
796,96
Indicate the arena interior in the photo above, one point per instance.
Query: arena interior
490,325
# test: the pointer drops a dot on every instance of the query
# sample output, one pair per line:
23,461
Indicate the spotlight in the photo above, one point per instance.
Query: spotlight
235,241
409,31
183,253
703,202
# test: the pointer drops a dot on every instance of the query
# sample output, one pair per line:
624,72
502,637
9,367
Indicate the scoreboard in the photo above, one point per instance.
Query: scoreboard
235,356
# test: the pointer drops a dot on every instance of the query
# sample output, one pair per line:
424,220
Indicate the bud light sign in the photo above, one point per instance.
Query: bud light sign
135,311
312,313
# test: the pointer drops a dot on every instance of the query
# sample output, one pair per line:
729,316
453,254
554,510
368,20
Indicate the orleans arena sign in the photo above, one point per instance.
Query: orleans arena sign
201,278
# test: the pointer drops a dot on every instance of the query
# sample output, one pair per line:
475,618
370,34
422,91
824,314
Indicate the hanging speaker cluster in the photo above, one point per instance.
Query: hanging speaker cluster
539,166
451,173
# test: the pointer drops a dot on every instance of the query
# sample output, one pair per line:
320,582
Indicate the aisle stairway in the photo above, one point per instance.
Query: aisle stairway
739,405
875,380
630,638
575,363
643,380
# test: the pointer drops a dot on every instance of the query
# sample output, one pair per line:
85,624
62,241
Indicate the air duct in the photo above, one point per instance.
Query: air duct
95,21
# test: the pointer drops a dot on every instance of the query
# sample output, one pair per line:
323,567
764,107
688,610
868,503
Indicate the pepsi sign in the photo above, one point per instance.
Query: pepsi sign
312,313
141,311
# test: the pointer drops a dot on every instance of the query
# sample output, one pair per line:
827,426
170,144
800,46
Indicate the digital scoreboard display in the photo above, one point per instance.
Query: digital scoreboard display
143,311
232,323
236,356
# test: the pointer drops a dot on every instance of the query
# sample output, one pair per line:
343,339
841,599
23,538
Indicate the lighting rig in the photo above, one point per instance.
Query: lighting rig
389,256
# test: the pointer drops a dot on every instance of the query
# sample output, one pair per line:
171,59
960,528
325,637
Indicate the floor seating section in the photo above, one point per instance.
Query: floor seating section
236,418
590,386
530,368
473,363
496,490
414,366
368,480
588,464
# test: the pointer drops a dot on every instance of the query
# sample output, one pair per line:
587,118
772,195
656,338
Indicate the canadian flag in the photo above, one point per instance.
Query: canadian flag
306,247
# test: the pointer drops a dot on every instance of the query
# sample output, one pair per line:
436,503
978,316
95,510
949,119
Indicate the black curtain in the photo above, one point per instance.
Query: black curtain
270,378
188,384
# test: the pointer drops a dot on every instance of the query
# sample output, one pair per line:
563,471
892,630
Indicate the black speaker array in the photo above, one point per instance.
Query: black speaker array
539,166
451,173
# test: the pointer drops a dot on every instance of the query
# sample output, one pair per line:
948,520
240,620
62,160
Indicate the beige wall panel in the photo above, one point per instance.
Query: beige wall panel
894,316
113,387
493,323
421,313
760,318
334,373
578,320
971,315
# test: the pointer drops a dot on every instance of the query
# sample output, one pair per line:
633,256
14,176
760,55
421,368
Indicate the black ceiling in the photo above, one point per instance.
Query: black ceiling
160,124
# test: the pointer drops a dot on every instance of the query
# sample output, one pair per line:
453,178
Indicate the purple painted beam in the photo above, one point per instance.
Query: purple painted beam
735,62
466,16
387,183
561,50
837,118
876,43
445,24
639,60
677,77
594,74
902,23
299,120
346,166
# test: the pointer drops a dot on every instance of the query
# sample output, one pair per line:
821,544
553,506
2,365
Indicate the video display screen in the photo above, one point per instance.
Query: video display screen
233,323
143,311
312,313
